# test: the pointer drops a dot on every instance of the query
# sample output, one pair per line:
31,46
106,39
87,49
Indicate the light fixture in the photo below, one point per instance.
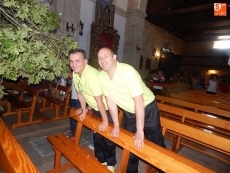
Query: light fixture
223,44
138,48
70,28
157,54
166,48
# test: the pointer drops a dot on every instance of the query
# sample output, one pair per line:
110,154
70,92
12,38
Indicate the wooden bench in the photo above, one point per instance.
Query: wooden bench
13,158
175,88
195,134
194,106
218,93
215,126
55,102
192,133
200,101
78,157
153,154
203,93
206,97
22,106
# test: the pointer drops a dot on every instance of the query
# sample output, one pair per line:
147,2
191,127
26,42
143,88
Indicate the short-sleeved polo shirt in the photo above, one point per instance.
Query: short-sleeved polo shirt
125,85
88,85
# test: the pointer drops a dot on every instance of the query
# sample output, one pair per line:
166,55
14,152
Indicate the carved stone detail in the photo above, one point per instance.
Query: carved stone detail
105,12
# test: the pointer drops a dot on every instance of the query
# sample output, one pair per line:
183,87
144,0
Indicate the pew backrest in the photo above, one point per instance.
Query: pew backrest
216,141
196,107
201,101
162,158
219,125
206,97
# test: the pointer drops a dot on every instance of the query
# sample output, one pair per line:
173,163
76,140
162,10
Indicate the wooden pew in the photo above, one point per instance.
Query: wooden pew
78,157
217,96
215,126
218,93
212,98
175,88
193,106
22,106
55,103
13,158
195,134
153,154
200,101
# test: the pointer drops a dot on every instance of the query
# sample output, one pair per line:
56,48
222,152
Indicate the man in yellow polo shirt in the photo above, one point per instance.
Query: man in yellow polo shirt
89,92
123,87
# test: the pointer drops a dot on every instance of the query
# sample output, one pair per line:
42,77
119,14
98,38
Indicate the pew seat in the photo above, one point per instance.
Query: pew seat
23,107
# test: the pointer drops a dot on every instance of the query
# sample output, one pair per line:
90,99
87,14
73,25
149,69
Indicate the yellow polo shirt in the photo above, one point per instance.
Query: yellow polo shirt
88,85
125,85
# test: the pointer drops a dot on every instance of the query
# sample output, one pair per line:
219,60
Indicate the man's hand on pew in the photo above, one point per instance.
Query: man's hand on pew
139,139
82,115
103,125
115,131
79,111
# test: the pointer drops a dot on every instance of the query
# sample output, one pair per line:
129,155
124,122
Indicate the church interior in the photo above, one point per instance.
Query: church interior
188,41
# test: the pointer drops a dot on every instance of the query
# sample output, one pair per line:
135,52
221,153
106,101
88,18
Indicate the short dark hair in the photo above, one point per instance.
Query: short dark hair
76,50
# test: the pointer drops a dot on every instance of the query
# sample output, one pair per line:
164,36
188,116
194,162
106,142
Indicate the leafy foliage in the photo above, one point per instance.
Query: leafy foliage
28,49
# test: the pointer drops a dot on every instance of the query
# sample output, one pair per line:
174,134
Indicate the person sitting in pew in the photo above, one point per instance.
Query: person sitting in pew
224,87
212,83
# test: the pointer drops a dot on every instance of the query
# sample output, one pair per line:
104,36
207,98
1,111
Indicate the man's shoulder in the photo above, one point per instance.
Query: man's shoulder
91,70
102,74
126,68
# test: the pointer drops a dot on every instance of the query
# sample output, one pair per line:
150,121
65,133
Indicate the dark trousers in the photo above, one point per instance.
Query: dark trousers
105,150
152,131
74,103
157,91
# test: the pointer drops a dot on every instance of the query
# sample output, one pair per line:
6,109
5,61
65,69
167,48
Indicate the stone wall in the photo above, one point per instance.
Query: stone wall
69,11
153,39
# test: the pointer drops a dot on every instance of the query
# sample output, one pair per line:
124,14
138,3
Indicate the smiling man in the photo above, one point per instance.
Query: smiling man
122,85
89,91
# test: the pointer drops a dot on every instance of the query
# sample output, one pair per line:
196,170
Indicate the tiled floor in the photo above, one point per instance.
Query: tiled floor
28,133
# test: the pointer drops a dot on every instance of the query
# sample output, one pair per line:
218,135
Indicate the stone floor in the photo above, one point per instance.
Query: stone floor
27,134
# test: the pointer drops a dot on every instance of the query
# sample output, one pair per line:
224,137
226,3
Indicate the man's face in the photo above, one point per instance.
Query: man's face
77,62
106,59
160,72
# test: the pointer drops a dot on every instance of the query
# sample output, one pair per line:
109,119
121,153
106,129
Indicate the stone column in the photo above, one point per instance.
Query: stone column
134,32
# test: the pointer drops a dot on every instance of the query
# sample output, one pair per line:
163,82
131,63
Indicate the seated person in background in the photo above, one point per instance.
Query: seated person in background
158,80
224,87
212,83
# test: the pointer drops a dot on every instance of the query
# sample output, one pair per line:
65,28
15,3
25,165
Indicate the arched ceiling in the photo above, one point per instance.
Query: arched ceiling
189,20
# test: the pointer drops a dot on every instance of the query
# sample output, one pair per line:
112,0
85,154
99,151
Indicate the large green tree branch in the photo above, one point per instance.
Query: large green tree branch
27,48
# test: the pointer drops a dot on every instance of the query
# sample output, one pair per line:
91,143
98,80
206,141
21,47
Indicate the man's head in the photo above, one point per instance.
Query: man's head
78,60
160,72
107,59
